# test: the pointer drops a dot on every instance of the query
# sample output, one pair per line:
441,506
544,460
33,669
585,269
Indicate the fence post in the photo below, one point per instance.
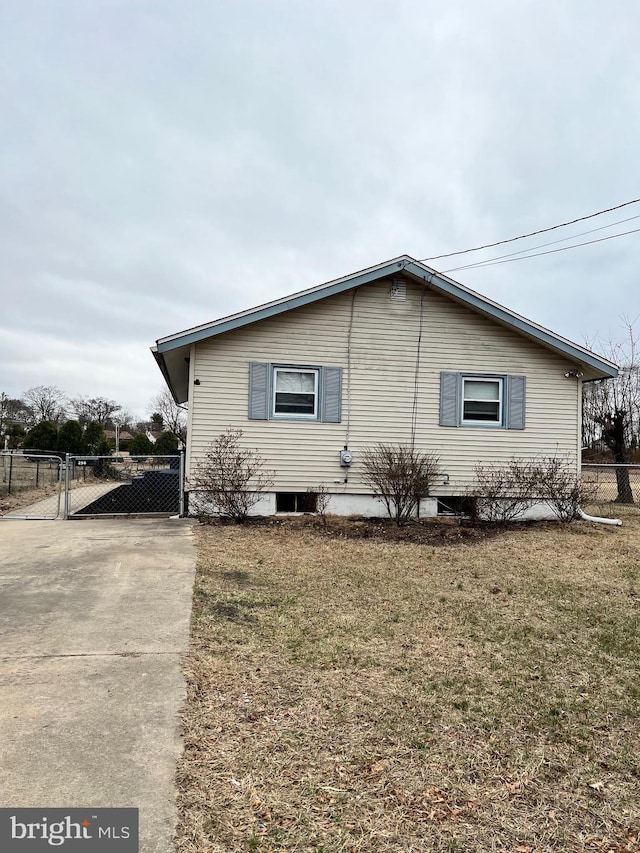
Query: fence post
37,473
65,513
181,485
10,472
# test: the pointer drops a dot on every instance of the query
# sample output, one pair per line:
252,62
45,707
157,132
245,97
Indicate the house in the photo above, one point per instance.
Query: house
123,435
394,353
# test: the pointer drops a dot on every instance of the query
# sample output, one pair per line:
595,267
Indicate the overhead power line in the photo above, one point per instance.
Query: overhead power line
549,252
534,233
489,261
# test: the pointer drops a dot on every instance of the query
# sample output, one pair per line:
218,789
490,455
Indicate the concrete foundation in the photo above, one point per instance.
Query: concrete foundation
367,506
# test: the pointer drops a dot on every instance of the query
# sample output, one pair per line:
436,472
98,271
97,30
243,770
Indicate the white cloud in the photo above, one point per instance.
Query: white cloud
164,164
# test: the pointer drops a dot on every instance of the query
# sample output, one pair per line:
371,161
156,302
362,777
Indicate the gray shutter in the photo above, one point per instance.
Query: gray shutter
331,395
258,391
449,399
516,394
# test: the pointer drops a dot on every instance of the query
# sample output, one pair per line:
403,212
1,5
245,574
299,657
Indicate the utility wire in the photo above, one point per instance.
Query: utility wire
533,233
489,261
549,252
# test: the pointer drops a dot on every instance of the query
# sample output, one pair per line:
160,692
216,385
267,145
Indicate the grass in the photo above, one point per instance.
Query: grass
19,474
355,694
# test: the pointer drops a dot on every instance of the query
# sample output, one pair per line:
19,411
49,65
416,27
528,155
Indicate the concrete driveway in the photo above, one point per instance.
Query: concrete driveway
94,616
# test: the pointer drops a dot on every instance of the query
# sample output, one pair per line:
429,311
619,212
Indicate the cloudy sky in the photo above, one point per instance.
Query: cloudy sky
165,163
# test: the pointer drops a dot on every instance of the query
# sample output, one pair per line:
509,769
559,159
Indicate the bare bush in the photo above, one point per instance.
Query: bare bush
229,478
400,476
504,492
322,498
561,489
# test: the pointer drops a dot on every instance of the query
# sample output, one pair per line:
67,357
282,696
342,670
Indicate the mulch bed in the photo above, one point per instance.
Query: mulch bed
428,531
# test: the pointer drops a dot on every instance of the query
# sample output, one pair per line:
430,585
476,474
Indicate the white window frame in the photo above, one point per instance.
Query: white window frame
316,393
500,381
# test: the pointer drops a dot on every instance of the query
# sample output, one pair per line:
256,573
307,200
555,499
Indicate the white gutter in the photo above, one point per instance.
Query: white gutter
585,517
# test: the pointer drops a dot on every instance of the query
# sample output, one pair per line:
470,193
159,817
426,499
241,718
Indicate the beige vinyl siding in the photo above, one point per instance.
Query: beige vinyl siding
384,342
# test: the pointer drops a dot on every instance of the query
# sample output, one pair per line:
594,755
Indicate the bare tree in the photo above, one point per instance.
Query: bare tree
46,402
98,409
611,408
125,420
5,418
174,415
12,412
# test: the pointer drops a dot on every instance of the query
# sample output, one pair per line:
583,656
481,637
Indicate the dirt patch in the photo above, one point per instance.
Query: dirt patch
26,497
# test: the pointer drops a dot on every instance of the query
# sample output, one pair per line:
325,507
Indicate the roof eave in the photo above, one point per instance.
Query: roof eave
403,263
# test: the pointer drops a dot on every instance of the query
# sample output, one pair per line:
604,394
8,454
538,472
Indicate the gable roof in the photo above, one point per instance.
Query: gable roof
172,351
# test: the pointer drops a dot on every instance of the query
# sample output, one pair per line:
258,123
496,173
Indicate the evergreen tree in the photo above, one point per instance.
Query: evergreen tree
43,436
70,438
94,440
140,445
166,444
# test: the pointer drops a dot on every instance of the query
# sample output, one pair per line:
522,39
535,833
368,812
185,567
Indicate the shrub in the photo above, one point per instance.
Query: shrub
70,438
561,489
166,444
322,500
504,492
140,445
229,478
400,476
94,440
43,436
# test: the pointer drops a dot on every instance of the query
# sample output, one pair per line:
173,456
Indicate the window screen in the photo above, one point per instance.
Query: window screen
295,392
482,400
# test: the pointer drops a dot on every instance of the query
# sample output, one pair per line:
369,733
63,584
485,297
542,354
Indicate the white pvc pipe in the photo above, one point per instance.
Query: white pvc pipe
585,517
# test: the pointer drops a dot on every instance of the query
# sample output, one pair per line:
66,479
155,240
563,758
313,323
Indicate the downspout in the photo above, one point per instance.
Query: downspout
583,515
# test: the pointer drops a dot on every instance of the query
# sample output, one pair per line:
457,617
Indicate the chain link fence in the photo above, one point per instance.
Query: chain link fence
30,484
123,485
610,487
35,485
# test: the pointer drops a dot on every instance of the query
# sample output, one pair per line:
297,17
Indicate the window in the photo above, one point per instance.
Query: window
296,502
482,400
455,505
295,392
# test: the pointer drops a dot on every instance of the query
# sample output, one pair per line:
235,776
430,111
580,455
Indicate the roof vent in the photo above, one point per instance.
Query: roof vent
398,291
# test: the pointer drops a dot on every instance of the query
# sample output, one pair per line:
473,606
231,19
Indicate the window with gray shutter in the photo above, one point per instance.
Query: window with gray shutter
332,394
482,400
289,392
258,391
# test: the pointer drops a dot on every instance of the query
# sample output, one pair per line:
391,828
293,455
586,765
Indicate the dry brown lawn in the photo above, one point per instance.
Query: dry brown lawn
357,694
25,497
